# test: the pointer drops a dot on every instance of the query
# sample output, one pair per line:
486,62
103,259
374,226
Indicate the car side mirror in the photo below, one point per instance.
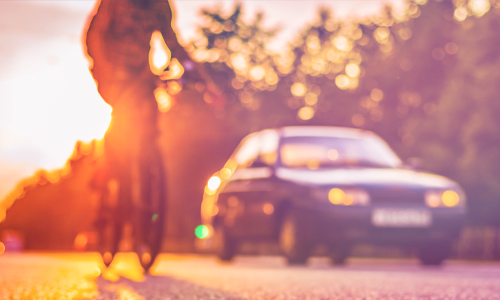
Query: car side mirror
414,163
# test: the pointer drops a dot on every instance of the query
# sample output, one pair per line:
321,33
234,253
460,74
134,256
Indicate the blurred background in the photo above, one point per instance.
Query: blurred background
423,75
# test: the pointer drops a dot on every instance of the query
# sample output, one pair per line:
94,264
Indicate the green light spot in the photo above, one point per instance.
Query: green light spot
201,231
155,216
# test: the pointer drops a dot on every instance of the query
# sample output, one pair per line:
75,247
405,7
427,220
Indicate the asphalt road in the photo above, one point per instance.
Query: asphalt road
78,276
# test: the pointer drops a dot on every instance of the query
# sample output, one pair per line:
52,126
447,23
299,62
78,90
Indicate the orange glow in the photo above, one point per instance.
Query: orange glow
432,199
268,209
2,248
107,257
306,113
451,48
382,35
163,99
214,183
174,87
348,200
479,7
352,70
358,120
215,210
159,55
175,71
351,197
257,73
342,81
161,62
342,43
405,33
450,198
233,201
460,14
336,196
146,258
311,99
313,164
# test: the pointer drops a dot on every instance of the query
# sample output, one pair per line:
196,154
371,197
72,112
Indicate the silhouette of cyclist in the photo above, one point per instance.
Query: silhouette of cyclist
131,176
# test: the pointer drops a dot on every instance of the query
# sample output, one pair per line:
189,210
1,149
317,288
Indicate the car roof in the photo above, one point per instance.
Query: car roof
327,131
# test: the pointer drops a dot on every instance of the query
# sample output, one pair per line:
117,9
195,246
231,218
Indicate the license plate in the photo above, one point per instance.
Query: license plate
384,217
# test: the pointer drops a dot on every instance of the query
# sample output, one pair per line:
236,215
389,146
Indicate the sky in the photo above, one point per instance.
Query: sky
48,99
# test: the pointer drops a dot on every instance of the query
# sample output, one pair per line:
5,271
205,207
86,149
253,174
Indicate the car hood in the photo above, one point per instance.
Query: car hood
365,177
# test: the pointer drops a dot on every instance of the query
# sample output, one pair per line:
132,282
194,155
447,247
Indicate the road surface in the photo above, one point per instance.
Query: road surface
80,276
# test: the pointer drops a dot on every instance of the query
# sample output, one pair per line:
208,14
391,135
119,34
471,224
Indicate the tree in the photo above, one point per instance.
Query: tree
465,129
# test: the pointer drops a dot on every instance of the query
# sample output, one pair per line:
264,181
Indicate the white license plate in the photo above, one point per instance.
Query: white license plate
386,217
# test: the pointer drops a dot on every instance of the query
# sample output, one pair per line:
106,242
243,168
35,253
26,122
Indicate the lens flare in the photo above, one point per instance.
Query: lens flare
268,209
298,89
225,173
306,113
333,154
163,99
201,231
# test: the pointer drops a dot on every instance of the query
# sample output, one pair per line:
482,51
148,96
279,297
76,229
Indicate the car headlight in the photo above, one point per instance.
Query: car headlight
348,197
443,198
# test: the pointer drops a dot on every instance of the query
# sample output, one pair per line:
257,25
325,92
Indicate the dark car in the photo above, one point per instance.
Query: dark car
308,186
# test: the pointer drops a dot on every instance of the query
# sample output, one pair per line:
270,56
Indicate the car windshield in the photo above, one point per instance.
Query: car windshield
332,152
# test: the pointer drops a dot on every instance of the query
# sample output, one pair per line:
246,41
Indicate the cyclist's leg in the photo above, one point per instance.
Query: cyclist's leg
150,219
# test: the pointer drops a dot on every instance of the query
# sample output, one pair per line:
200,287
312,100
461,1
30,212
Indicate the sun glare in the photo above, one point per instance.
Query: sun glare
159,55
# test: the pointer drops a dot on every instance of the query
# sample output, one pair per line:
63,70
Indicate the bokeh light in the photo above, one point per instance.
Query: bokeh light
163,99
460,14
377,95
225,173
201,231
159,55
479,7
214,183
352,70
358,120
450,198
306,113
342,81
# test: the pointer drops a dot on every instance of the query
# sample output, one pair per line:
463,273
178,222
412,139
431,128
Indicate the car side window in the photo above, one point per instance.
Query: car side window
268,147
258,150
248,152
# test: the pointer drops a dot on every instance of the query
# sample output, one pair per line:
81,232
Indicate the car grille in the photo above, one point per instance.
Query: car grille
396,197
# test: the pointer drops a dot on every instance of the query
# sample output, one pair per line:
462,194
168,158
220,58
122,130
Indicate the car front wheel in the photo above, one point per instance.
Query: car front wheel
293,242
339,254
224,245
433,254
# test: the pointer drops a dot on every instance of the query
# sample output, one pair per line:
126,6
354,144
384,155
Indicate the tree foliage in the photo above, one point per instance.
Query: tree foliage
424,81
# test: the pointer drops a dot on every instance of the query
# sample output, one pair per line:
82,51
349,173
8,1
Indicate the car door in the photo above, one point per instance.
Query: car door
248,196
